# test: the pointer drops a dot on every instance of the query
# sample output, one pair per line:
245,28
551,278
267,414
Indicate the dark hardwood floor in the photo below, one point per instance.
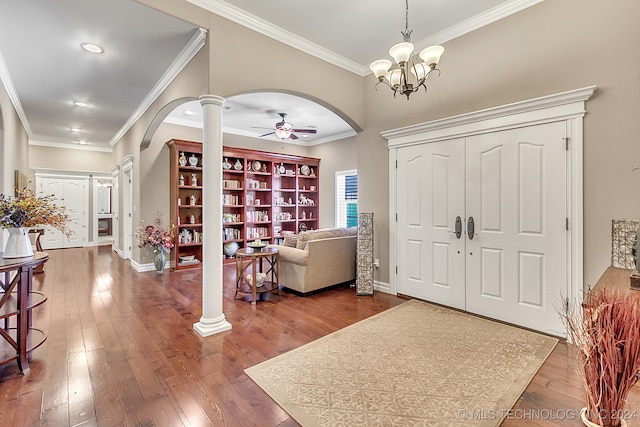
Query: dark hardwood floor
121,351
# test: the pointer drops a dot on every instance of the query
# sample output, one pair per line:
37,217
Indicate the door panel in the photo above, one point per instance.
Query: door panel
517,195
430,195
71,194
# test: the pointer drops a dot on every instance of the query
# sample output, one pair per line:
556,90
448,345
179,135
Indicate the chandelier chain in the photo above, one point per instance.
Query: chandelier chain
406,33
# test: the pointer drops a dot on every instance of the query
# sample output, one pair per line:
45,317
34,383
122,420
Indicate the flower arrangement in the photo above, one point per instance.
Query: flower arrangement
28,210
605,331
157,236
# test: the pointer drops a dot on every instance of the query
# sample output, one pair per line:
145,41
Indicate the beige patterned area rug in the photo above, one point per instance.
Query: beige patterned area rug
414,364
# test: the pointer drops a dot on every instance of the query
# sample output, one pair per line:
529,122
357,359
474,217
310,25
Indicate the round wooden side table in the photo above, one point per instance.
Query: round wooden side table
248,257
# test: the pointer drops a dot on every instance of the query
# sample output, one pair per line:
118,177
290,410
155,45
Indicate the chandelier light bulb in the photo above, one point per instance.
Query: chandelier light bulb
401,52
410,70
431,55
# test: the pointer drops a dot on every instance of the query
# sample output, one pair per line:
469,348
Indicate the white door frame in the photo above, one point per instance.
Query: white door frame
566,106
126,211
115,209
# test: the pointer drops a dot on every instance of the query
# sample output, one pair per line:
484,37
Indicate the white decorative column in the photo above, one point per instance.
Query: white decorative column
212,320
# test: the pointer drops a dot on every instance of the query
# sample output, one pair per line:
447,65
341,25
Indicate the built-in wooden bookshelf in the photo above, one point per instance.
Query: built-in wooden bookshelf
263,195
186,202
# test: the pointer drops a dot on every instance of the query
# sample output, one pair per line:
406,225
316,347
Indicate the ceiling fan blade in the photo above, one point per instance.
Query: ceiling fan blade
259,127
293,136
266,134
304,130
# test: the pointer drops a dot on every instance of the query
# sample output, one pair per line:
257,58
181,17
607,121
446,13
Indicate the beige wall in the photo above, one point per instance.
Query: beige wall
335,156
41,157
542,50
13,145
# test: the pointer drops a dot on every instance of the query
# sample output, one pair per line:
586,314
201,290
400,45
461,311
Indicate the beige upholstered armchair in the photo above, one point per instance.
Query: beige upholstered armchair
320,258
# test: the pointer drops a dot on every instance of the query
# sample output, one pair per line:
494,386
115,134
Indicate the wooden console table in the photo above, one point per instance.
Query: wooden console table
253,257
17,299
614,278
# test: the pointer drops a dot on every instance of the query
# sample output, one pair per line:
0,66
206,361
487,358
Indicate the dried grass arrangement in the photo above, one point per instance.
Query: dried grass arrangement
606,333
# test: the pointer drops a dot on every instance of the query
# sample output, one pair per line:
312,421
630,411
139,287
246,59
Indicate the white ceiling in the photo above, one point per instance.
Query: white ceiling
44,70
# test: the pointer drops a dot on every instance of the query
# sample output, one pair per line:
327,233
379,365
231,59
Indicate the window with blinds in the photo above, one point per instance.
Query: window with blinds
347,198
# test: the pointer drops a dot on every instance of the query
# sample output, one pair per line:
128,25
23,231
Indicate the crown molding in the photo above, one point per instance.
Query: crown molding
268,29
239,16
475,22
5,77
190,50
68,145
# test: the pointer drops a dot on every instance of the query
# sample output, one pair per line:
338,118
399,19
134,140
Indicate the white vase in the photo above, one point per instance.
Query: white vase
18,244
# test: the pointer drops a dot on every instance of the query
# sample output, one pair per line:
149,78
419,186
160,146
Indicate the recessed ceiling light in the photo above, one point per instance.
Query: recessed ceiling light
74,129
305,136
80,104
82,142
93,48
188,113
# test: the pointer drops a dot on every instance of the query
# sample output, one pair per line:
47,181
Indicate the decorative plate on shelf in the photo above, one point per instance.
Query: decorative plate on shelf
281,169
304,170
256,166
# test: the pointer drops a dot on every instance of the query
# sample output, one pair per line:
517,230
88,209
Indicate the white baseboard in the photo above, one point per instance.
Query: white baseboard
382,287
141,268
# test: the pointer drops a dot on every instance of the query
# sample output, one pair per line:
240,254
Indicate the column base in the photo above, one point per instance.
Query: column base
207,327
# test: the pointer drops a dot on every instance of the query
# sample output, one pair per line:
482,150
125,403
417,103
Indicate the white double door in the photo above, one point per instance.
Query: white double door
510,187
72,194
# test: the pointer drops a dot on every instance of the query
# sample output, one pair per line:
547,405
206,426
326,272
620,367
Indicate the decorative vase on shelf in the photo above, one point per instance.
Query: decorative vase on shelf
182,159
18,244
160,261
238,165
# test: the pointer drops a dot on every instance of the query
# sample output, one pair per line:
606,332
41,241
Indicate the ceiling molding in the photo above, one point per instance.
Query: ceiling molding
69,146
261,26
335,137
190,50
5,77
225,129
487,17
239,16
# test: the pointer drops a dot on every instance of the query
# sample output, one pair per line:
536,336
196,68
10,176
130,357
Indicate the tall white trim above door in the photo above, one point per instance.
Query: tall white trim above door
566,106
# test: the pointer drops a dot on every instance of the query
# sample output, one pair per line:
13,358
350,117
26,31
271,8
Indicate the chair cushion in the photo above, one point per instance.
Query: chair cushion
290,240
323,233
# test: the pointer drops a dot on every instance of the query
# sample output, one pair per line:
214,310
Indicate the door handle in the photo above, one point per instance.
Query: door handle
458,227
470,228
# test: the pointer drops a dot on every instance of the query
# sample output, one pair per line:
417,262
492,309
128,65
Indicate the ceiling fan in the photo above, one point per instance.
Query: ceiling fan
284,129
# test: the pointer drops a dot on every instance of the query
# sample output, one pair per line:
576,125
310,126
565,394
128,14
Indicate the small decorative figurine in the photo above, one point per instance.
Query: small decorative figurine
192,199
181,180
194,180
192,219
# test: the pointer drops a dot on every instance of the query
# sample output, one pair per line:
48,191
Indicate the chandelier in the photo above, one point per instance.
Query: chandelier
410,71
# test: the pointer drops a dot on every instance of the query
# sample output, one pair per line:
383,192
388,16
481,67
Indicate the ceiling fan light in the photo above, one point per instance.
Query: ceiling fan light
431,55
283,133
380,68
401,52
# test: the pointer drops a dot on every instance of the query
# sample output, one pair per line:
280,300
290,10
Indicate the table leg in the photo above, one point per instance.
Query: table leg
253,282
23,319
